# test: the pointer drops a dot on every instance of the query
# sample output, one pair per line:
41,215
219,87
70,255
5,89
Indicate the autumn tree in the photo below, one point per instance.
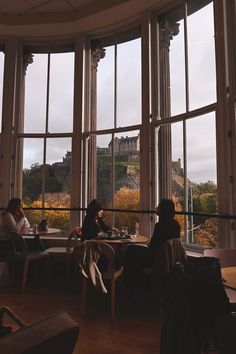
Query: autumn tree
56,218
125,198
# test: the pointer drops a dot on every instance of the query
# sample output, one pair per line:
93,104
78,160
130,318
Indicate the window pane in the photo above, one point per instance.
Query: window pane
129,83
32,177
58,172
104,169
105,90
1,85
35,95
201,172
177,184
201,53
61,92
177,66
57,181
127,178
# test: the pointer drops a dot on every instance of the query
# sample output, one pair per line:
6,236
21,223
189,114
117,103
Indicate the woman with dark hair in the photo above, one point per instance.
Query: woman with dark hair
165,229
93,222
13,217
139,257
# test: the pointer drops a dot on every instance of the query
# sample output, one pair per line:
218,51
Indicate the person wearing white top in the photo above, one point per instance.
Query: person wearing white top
13,219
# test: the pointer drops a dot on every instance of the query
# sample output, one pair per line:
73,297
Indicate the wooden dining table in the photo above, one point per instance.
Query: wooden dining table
34,238
30,233
132,239
229,277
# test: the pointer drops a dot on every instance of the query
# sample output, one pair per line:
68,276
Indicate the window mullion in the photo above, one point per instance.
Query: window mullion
45,139
186,235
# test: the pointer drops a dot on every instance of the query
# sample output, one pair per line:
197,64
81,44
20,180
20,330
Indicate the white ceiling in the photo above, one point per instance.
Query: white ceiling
23,7
12,10
40,18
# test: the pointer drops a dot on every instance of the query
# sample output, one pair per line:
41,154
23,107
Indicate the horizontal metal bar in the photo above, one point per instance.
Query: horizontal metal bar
208,215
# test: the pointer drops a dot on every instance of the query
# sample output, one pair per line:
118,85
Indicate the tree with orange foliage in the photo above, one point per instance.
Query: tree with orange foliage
125,198
56,218
178,207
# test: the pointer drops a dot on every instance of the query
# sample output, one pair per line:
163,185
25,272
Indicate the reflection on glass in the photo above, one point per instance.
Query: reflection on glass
202,182
61,92
105,90
1,85
177,66
35,95
104,169
201,53
127,178
129,83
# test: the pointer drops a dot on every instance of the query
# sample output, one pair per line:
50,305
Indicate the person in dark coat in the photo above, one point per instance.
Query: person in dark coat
139,257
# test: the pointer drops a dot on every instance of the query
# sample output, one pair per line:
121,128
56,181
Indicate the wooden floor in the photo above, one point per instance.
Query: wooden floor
135,331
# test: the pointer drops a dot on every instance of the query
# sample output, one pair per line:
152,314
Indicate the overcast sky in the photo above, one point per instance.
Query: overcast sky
201,155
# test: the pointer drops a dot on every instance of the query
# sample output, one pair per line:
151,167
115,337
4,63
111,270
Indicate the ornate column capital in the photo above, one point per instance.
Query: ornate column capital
167,31
98,52
28,58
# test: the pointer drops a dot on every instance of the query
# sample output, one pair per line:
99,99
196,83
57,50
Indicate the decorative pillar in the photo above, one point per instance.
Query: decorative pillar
167,31
97,53
19,124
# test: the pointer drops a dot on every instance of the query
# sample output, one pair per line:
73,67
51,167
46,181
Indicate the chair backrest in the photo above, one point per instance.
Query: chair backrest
57,334
171,252
73,241
226,256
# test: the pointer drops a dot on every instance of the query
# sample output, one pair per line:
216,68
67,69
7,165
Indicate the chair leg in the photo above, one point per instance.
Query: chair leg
24,276
47,265
13,271
113,291
83,295
67,266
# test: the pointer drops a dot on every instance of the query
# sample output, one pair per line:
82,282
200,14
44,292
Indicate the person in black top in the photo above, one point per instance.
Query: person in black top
165,229
139,257
92,225
93,222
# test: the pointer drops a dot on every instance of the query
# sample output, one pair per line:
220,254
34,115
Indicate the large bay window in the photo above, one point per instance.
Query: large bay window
187,125
1,84
143,112
47,134
115,117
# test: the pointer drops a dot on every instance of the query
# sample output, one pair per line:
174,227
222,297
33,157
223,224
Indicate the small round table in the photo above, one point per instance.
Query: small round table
49,232
29,234
229,277
119,241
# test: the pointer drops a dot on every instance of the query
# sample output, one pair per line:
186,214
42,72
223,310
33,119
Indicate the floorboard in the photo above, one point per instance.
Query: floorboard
136,329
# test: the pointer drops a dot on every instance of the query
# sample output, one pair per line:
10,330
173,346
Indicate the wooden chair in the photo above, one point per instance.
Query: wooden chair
227,256
57,334
111,275
67,252
170,253
18,252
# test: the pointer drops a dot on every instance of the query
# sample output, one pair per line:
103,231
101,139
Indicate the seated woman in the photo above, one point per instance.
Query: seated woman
13,217
13,222
139,257
93,222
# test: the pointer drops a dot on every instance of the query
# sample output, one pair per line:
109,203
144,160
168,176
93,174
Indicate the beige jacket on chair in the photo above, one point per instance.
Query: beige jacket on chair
88,254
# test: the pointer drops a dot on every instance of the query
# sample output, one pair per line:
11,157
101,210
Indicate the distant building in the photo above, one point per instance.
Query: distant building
125,145
176,166
102,151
